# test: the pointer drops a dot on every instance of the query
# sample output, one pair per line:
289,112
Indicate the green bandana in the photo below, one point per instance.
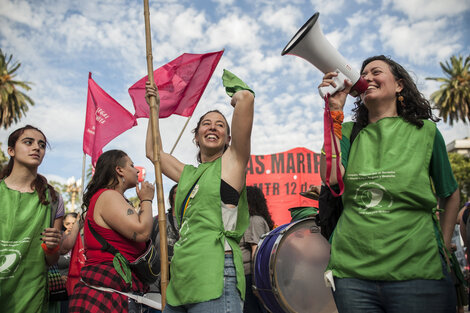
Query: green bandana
233,84
122,267
302,212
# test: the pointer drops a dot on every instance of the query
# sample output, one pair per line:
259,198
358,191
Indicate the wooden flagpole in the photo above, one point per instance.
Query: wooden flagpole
154,116
181,133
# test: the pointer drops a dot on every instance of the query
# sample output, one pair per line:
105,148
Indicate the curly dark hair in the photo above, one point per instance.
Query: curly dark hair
257,204
105,175
417,106
40,183
195,130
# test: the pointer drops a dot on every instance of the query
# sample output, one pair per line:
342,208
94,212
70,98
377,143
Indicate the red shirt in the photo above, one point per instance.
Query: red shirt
130,249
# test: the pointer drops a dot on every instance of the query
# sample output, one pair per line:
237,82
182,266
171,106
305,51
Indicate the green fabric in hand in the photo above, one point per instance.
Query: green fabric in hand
233,84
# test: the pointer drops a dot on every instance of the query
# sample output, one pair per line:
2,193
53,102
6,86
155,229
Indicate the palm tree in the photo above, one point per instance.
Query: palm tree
453,97
13,102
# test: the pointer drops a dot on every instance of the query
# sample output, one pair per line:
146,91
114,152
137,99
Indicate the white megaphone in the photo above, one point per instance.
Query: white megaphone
310,44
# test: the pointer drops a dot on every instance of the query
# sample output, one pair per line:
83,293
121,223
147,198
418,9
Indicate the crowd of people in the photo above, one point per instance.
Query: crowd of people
390,250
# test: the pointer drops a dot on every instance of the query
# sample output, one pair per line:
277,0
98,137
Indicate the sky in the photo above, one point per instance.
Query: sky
58,42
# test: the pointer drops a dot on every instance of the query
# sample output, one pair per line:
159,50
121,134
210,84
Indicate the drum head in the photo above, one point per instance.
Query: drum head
301,257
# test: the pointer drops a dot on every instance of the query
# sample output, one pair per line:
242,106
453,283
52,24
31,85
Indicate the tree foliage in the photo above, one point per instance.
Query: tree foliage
453,98
461,167
13,102
3,158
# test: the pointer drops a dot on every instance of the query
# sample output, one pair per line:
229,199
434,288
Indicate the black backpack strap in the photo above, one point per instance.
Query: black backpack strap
155,230
354,132
105,245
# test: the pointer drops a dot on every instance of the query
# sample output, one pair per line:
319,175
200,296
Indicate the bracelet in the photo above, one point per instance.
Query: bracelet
333,155
146,200
48,250
337,117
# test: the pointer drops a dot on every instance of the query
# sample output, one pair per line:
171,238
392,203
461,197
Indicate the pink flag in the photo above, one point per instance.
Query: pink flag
105,120
180,83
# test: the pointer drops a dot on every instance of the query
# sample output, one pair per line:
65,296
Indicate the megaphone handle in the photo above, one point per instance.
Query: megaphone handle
339,81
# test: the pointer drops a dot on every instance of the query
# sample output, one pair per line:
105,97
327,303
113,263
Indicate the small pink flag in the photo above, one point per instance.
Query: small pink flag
105,120
180,83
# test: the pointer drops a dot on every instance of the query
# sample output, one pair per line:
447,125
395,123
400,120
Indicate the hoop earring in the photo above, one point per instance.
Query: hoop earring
401,99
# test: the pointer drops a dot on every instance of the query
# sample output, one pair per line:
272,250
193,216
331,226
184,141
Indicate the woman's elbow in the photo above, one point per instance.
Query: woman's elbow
143,234
142,238
149,155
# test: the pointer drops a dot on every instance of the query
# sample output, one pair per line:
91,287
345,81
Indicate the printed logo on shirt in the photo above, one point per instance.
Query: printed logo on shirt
10,256
183,233
9,262
375,198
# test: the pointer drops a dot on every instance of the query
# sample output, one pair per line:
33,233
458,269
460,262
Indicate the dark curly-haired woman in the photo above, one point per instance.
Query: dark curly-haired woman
388,251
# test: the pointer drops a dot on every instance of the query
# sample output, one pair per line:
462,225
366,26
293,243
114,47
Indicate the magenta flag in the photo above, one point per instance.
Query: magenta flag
180,83
105,120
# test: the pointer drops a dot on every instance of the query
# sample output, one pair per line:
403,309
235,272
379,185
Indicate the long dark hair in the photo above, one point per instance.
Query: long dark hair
40,183
105,175
196,129
416,108
257,204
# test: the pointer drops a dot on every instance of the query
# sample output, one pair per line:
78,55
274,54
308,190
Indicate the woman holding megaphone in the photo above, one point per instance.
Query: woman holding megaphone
389,250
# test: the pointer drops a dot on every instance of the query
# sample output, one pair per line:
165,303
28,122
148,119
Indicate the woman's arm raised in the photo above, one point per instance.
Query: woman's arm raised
235,159
336,103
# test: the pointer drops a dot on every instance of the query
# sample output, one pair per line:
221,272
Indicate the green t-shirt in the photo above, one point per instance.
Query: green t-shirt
386,231
23,270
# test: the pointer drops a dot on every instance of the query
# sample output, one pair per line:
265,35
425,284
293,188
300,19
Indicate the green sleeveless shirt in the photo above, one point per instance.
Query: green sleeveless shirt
197,267
386,231
23,270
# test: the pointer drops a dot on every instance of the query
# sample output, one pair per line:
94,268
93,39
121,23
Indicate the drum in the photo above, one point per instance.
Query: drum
288,269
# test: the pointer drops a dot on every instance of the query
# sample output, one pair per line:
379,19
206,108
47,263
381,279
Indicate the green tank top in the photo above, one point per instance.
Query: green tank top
23,270
197,267
386,231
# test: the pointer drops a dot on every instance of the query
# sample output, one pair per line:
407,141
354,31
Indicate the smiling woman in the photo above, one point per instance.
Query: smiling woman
211,210
388,237
25,217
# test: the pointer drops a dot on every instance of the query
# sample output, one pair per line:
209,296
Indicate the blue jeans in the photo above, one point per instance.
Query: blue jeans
229,302
354,295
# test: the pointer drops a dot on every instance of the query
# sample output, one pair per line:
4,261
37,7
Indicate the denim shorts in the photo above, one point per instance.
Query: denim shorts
229,302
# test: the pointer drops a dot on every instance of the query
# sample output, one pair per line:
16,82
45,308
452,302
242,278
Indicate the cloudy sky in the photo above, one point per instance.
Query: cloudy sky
59,42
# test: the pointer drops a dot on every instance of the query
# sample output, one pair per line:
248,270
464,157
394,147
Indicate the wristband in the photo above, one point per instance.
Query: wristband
48,250
146,200
337,117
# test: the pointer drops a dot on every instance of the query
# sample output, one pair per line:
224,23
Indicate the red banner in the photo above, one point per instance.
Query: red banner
282,177
105,120
180,83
